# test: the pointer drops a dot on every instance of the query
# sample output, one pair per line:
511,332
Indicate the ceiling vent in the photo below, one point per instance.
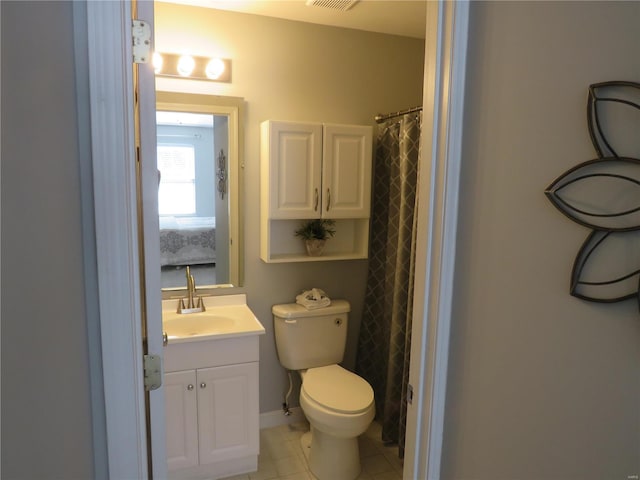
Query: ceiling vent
343,5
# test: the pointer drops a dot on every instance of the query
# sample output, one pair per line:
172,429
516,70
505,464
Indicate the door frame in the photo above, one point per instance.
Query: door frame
113,160
114,189
438,193
127,287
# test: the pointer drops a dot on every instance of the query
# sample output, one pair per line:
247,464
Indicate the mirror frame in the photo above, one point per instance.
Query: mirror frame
231,107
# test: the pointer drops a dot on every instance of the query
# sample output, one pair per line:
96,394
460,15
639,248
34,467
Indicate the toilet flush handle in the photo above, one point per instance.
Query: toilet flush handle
290,320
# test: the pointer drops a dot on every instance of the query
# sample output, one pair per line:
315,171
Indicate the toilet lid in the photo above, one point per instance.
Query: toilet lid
338,389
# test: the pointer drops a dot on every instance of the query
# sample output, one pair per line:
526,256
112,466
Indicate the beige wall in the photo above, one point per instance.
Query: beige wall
541,385
302,72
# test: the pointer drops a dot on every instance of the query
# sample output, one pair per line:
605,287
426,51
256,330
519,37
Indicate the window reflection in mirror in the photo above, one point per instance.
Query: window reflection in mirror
198,192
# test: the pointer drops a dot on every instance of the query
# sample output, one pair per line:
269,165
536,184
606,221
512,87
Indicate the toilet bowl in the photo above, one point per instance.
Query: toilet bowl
339,406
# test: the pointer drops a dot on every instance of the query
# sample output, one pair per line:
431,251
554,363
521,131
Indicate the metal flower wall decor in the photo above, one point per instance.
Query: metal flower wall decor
603,194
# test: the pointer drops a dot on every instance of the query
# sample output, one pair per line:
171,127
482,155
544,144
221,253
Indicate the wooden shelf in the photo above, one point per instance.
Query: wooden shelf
290,258
280,245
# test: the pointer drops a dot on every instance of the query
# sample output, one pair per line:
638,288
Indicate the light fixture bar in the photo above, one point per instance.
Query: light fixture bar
192,67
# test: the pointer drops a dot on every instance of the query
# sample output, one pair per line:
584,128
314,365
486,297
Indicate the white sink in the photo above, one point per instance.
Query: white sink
225,316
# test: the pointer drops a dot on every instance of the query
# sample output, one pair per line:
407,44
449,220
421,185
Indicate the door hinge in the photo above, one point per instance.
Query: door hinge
152,372
409,394
141,37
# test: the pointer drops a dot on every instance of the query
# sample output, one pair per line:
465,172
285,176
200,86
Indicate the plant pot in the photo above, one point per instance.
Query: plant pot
315,247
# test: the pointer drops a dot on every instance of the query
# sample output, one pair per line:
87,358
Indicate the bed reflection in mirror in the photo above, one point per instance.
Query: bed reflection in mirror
197,194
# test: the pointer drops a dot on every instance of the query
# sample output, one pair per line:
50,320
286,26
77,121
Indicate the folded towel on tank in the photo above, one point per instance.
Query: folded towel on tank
314,298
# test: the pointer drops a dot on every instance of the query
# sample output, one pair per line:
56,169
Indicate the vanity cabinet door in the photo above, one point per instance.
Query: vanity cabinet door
228,417
346,171
181,407
292,165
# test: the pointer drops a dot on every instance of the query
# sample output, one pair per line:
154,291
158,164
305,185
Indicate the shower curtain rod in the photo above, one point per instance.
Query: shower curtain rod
380,118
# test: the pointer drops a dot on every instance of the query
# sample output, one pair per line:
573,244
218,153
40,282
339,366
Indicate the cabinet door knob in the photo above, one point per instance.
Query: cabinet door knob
317,198
328,199
189,387
203,385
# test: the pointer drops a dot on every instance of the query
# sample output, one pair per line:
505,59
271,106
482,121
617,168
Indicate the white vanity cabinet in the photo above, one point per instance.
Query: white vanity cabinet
181,405
212,411
313,170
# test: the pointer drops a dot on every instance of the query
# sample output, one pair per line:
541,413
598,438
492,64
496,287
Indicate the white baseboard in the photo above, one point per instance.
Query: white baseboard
277,417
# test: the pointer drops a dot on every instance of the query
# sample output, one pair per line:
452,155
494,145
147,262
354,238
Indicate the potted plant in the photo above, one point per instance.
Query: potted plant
315,234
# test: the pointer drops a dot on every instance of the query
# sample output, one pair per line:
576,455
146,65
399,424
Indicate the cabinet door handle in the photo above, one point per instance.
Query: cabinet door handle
315,202
203,385
189,387
328,199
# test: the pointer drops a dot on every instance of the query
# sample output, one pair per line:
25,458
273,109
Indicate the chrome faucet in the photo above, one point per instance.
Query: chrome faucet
194,303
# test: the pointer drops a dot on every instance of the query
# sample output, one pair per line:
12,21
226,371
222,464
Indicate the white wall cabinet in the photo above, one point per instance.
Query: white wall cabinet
291,165
311,170
212,412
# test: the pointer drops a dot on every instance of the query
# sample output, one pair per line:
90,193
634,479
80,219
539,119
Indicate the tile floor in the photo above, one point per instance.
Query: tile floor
281,456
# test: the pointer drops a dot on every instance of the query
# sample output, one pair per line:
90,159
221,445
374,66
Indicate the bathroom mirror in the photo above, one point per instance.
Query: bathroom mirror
199,181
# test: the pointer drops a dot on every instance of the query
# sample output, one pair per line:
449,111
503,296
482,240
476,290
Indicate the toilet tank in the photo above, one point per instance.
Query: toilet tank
310,338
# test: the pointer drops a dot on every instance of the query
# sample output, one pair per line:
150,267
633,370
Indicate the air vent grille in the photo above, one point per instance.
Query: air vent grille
343,5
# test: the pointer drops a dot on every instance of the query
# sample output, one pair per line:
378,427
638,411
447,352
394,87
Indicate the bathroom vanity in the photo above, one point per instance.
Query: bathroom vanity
211,389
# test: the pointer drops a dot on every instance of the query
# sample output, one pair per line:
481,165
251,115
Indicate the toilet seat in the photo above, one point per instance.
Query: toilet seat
338,390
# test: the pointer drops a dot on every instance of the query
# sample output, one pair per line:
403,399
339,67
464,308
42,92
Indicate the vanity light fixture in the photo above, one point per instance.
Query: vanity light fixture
193,67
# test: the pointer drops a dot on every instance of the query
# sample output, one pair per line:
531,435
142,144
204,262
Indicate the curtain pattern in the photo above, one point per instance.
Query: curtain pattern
385,332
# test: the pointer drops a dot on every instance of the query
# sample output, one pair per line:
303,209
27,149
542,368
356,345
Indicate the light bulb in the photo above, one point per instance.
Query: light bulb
215,68
157,62
186,65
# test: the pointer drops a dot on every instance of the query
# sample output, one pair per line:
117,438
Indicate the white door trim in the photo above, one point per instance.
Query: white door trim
151,244
114,189
442,122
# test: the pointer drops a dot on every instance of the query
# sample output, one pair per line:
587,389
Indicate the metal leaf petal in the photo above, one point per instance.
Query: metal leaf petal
603,194
613,114
607,267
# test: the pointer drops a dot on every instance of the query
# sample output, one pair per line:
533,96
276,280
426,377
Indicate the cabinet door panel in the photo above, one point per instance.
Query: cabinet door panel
346,177
181,419
228,412
295,156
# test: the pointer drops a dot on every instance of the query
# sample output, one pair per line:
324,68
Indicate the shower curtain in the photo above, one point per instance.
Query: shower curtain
385,332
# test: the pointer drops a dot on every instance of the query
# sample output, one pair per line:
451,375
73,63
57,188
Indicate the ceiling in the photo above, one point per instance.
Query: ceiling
394,17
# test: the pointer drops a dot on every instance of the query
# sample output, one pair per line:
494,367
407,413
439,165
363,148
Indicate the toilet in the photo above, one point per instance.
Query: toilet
338,404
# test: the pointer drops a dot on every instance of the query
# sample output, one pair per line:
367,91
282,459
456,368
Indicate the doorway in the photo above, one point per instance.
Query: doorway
444,75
